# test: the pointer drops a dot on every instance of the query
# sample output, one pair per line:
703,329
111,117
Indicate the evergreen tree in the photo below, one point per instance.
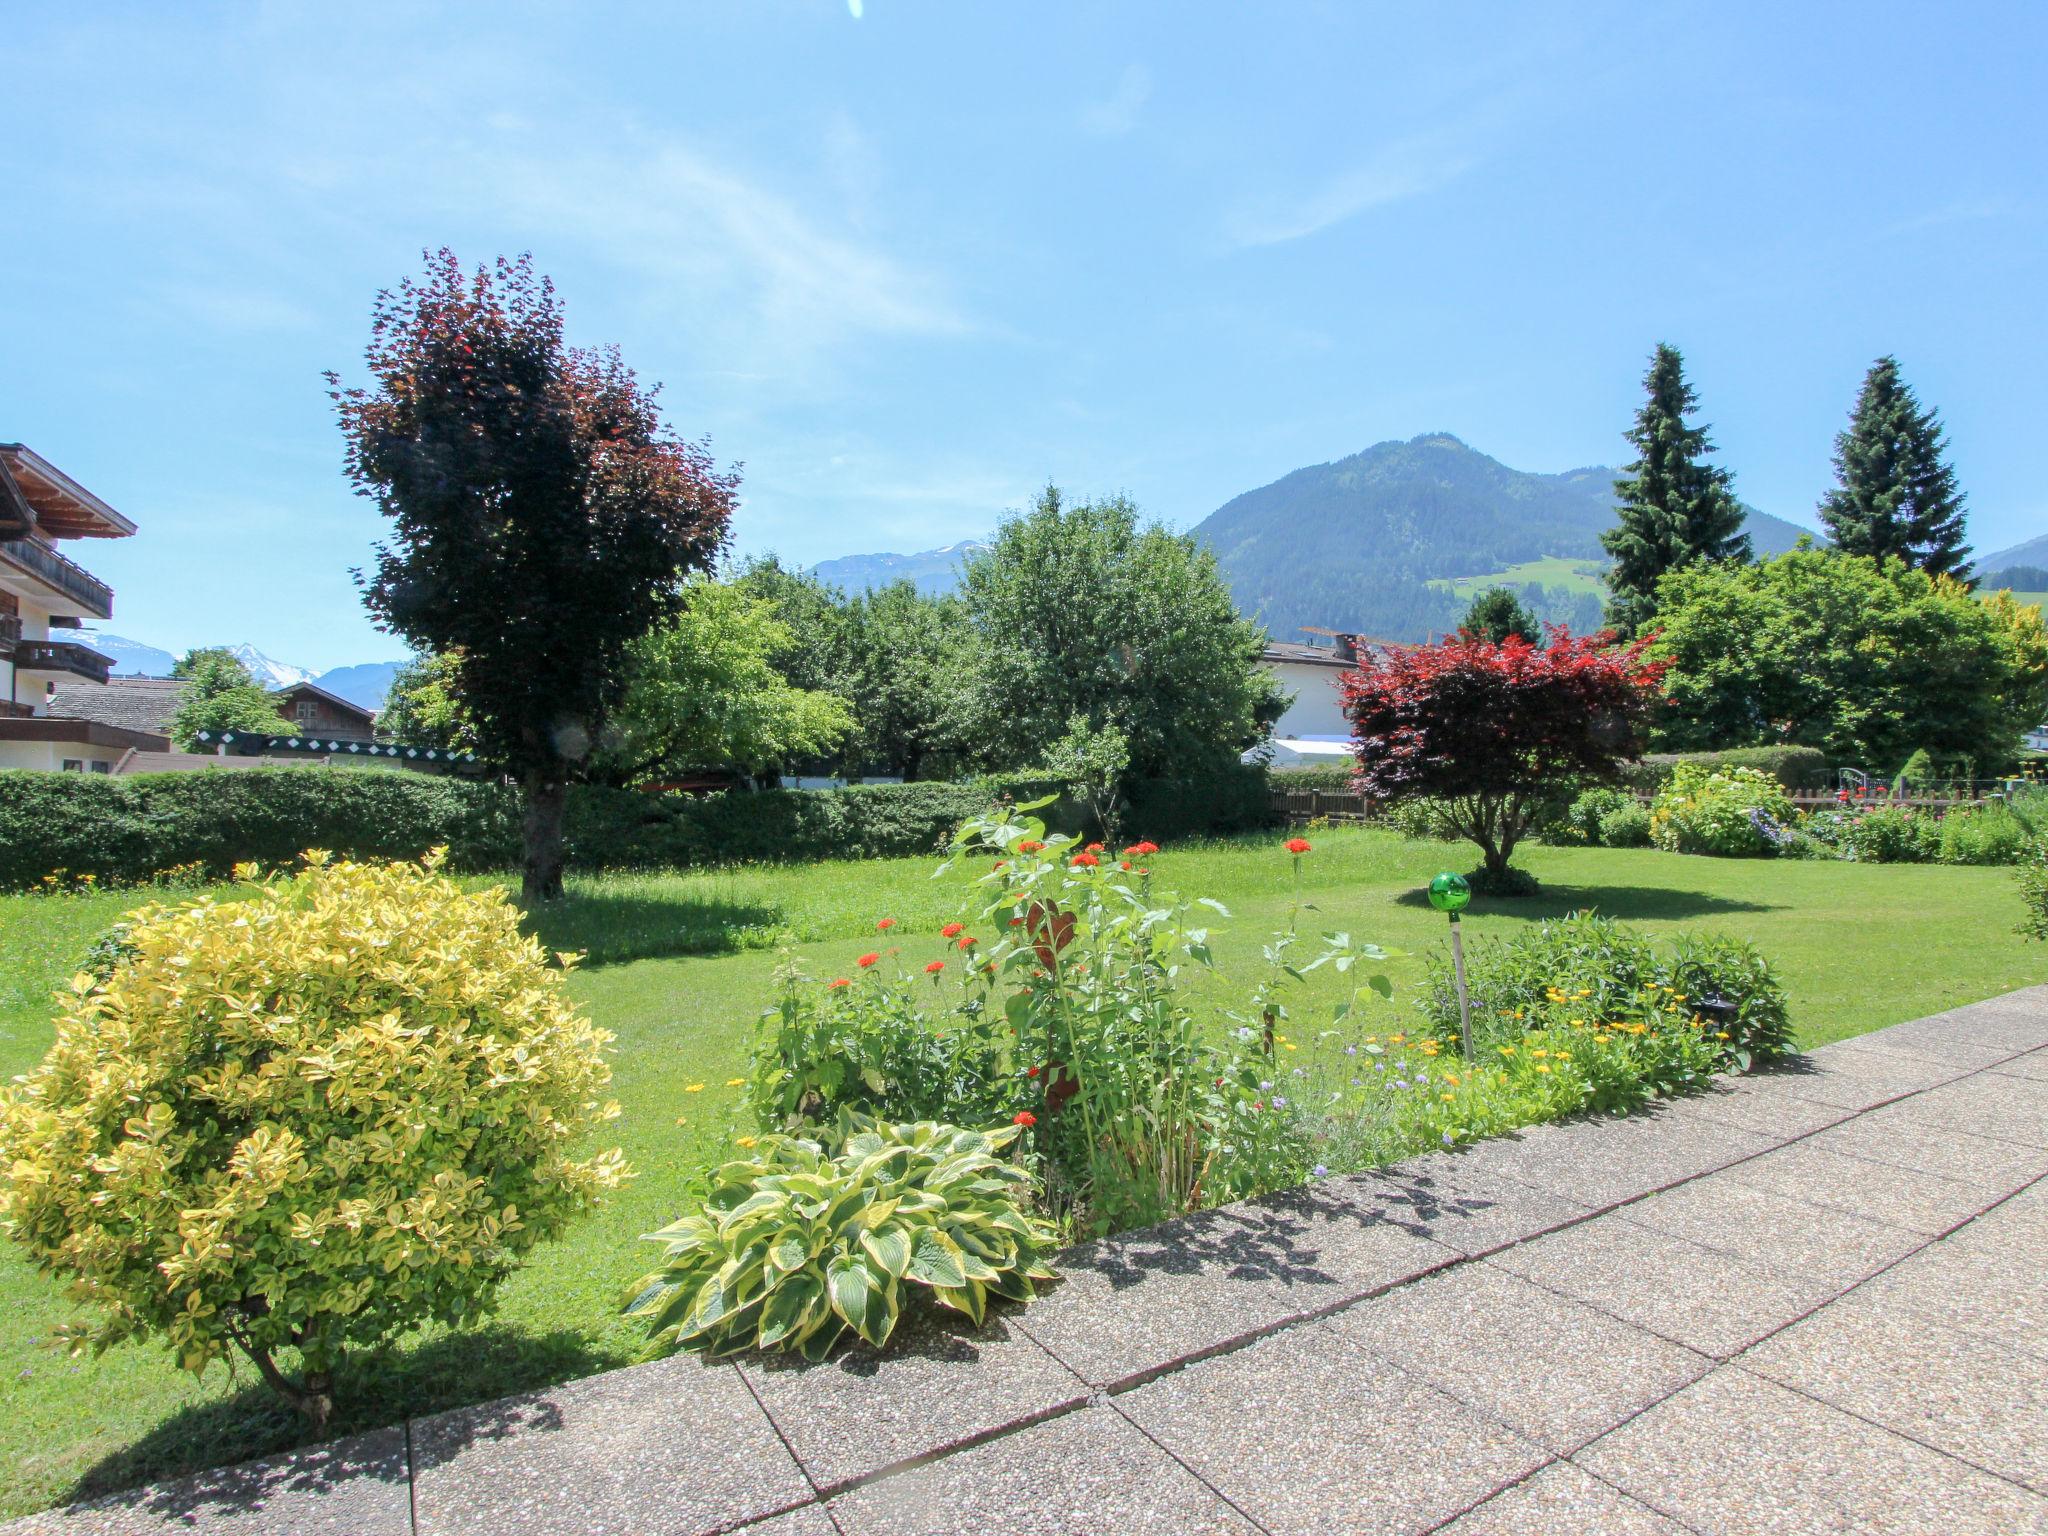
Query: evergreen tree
1895,493
1675,508
1497,613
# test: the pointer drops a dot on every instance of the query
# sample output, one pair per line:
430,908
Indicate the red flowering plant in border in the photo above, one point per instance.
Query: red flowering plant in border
1492,731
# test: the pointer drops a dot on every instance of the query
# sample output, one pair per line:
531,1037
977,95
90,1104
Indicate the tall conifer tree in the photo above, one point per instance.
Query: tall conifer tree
1674,507
1895,493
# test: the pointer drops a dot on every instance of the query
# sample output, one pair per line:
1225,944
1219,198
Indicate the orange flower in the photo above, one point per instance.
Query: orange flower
935,967
1024,1117
867,960
886,924
967,941
841,982
950,930
1085,860
1139,850
1029,846
1297,845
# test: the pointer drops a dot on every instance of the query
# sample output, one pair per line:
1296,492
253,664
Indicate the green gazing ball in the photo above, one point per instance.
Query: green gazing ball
1449,892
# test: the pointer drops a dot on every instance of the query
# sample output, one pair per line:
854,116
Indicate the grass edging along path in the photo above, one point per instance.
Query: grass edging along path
680,969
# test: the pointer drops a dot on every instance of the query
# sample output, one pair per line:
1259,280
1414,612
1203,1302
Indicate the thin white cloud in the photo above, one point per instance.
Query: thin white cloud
1396,171
1119,114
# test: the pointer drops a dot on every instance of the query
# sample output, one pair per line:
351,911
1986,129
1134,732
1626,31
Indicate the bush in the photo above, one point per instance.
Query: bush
1996,832
1732,812
1324,776
793,1247
1429,820
1581,821
1794,767
2033,881
1235,798
1891,834
1626,826
308,1118
1587,973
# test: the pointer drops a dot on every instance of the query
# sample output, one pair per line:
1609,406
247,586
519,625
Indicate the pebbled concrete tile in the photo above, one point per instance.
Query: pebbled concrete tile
1996,1167
938,1383
1676,1289
1959,1393
2003,1108
1306,1436
352,1487
1737,1455
1856,1078
1468,1212
1765,1229
1986,1286
677,1446
811,1520
1557,1371
1943,1043
1558,1499
1134,1304
1878,1192
1600,1163
1766,1103
2033,1066
1085,1474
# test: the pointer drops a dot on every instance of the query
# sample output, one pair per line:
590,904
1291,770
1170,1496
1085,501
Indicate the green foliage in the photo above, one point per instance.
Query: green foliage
1081,610
423,707
796,1247
1231,797
702,692
1863,659
1727,811
1895,496
1580,823
1916,774
1423,817
336,1107
2032,876
1323,776
1996,832
1497,613
1093,759
1626,826
1674,509
1591,975
1794,767
219,695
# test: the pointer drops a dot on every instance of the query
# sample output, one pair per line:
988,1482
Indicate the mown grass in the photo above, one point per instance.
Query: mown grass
680,966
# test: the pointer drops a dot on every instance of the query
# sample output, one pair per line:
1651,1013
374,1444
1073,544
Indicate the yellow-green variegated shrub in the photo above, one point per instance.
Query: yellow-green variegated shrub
304,1120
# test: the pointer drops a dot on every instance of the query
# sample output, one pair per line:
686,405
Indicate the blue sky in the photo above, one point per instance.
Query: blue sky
909,265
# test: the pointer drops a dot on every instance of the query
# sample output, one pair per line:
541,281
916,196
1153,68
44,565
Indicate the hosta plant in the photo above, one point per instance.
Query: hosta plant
796,1247
304,1120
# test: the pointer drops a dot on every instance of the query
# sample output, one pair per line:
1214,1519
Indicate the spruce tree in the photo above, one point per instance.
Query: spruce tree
1674,507
1496,614
1895,494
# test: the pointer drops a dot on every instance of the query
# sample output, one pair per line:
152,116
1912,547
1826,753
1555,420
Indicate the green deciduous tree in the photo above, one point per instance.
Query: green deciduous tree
423,708
1081,610
1895,494
703,693
1867,660
542,517
1675,508
220,695
1497,613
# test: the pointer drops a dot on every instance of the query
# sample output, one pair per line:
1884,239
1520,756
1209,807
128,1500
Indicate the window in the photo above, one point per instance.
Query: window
99,767
307,709
74,765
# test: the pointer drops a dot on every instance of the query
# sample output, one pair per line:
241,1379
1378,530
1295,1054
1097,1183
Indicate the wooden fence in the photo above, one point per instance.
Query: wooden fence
1301,805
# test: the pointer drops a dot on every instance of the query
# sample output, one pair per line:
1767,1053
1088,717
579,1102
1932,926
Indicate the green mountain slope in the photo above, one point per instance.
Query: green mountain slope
2033,552
1388,542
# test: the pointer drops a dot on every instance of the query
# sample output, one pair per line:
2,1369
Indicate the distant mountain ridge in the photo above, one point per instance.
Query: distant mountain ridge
2032,552
364,683
931,571
1361,543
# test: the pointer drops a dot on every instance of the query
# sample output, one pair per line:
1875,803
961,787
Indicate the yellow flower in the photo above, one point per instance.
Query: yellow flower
1543,1069
1564,1056
1578,1023
1724,1035
1539,1053
746,1141
1287,1045
1451,1078
735,1082
1507,1050
682,1119
1447,1097
694,1088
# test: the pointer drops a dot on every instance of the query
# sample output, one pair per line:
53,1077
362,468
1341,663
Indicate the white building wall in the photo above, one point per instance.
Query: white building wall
1316,710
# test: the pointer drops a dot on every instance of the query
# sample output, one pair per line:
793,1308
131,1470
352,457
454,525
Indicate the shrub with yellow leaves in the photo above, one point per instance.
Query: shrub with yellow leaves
304,1120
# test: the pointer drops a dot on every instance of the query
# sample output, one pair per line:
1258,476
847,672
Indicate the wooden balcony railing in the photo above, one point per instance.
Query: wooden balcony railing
62,656
67,577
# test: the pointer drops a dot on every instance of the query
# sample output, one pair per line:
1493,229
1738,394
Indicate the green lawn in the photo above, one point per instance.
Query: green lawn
680,967
1550,571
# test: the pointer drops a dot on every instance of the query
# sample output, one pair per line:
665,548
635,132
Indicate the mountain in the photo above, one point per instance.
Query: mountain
931,571
366,683
2033,552
271,674
1372,543
132,658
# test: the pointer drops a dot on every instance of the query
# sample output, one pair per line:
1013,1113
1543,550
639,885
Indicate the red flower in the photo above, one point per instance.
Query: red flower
1093,848
1085,861
842,982
1016,922
950,930
1297,845
1124,864
967,941
1033,1072
886,924
1024,1117
935,967
867,960
1139,850
1029,846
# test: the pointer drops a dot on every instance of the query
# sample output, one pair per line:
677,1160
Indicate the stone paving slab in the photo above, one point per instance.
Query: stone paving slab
353,1487
1562,1498
1089,1473
1957,1392
1306,1436
1810,1300
1740,1456
939,1384
676,1447
1558,1372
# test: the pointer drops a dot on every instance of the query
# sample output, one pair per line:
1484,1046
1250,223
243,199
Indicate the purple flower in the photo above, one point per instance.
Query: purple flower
1279,1101
1321,1171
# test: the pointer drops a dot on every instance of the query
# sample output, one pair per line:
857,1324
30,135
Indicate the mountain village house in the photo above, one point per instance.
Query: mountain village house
44,596
1313,732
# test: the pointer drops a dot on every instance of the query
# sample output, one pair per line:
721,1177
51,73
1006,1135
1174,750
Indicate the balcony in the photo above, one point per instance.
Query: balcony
65,656
10,635
91,594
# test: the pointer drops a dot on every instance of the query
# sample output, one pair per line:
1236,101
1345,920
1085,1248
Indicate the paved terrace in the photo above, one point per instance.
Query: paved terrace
1809,1301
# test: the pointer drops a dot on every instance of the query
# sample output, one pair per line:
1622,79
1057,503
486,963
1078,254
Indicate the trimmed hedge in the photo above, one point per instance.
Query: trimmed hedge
1794,767
126,829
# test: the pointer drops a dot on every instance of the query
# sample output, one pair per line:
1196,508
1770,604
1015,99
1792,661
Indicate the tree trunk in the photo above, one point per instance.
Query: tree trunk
313,1397
547,799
